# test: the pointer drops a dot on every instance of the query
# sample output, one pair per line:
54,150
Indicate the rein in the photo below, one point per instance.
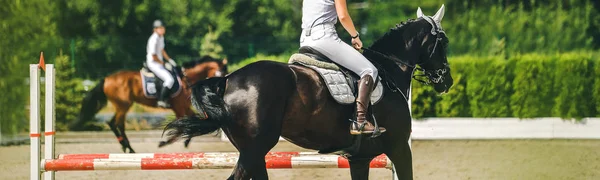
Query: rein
395,59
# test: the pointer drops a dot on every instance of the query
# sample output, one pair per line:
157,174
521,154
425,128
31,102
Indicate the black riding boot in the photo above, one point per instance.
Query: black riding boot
163,98
365,87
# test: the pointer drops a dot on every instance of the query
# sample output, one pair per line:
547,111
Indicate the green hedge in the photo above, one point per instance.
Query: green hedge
534,86
524,86
455,103
259,57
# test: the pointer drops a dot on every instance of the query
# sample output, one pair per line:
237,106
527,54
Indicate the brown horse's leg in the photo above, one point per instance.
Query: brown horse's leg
188,112
120,118
182,109
113,126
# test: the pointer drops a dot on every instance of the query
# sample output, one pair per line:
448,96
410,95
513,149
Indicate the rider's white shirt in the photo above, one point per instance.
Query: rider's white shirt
155,46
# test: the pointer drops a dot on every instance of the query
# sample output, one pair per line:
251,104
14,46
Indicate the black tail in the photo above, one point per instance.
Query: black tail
91,104
207,98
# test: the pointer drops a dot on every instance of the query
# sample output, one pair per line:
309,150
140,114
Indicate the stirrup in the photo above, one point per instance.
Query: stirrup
360,130
163,104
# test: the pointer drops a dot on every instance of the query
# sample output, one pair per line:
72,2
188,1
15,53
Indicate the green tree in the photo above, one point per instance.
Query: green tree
28,27
210,46
68,93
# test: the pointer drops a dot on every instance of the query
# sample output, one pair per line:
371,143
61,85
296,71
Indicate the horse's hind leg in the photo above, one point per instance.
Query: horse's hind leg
254,136
250,165
253,148
359,167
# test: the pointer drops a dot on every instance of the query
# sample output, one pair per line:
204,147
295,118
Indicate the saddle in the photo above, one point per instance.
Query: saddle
152,85
343,87
341,83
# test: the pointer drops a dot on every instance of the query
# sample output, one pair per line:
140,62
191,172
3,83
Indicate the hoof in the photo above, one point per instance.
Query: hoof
162,143
186,143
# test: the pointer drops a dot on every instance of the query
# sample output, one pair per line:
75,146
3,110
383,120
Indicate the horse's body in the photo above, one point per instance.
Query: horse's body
261,101
123,88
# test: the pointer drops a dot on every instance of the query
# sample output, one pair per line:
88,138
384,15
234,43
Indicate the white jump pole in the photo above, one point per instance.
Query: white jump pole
49,119
34,122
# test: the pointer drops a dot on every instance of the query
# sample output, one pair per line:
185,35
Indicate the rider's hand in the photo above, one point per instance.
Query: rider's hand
172,61
356,43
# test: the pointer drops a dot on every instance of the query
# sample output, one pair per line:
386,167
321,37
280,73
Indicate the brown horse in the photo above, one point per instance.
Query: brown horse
123,88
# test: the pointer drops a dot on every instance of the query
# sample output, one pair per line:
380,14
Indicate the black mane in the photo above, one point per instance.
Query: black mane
201,60
395,31
389,42
390,45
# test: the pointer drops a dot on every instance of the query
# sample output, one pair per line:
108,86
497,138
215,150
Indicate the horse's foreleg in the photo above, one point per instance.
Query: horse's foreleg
120,118
180,111
186,143
113,127
359,168
401,155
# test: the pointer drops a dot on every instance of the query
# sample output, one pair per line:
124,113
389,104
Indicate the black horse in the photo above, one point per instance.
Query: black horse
256,104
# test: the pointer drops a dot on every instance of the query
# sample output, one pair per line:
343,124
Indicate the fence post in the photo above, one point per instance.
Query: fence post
49,118
34,122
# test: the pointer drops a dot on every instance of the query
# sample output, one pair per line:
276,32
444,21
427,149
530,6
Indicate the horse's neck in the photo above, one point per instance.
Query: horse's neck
401,77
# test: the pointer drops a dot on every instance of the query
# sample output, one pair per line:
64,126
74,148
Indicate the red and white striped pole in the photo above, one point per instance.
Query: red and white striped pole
177,155
226,160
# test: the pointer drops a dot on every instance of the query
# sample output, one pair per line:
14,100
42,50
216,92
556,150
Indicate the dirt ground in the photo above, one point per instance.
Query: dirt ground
497,159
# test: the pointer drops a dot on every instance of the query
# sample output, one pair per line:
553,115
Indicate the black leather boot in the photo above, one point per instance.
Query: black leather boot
365,87
163,98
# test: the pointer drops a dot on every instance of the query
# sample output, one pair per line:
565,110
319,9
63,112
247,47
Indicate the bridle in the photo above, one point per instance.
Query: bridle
434,76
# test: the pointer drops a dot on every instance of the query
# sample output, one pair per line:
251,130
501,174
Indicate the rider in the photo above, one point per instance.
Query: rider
155,61
318,31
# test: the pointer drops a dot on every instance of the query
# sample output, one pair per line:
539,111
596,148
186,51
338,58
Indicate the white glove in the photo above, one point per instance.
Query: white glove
172,62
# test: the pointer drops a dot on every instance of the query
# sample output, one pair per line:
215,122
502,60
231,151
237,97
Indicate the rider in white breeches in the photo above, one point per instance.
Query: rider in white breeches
155,61
318,31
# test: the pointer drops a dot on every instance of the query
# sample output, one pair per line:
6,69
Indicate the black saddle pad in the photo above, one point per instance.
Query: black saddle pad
153,85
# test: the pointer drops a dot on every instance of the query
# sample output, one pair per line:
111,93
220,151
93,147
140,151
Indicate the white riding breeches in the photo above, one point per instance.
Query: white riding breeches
324,38
161,73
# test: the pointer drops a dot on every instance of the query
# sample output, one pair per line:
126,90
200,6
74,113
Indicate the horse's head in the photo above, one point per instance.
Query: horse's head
204,68
433,49
222,68
422,42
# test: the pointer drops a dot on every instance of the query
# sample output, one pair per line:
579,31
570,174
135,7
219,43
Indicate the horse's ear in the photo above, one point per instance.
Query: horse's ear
224,61
440,14
419,12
